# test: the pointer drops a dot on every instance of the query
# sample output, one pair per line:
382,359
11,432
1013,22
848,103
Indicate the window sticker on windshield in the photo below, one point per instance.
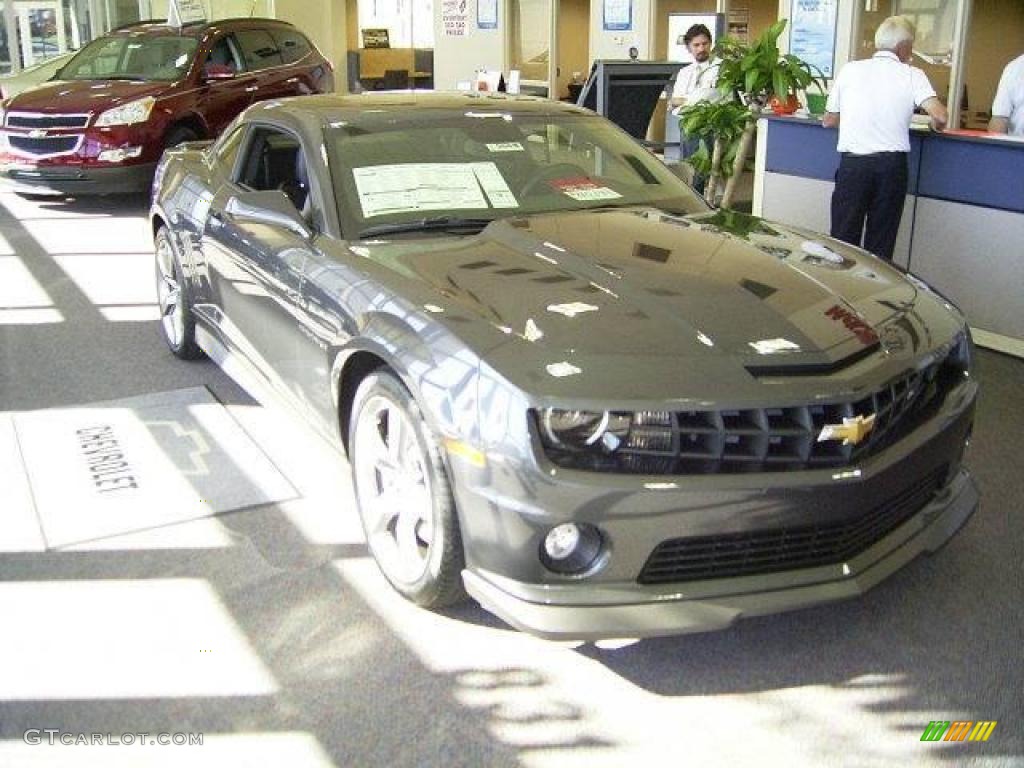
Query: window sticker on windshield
494,185
583,189
506,146
385,189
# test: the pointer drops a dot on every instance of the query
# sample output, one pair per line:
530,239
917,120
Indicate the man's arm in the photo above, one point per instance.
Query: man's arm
1002,104
937,112
999,125
830,120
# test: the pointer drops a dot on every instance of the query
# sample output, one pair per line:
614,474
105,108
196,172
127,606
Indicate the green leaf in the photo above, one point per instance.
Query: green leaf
751,79
779,84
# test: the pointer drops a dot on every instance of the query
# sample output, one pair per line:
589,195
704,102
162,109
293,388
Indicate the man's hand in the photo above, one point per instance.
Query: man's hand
999,125
937,112
830,119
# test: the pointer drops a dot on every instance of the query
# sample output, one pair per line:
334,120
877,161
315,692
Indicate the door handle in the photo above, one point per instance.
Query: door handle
252,88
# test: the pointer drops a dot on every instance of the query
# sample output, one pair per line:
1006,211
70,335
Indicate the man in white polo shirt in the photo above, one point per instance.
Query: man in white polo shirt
1008,107
694,84
872,102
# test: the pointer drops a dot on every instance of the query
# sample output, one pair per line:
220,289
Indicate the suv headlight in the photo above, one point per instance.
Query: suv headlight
127,114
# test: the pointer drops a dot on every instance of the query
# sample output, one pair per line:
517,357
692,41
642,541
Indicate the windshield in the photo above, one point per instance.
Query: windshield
490,165
132,58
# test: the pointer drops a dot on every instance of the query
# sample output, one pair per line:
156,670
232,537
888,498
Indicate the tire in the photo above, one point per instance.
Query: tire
412,530
177,323
179,134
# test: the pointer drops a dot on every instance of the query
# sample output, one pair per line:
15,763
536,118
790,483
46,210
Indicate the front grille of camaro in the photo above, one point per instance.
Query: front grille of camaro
769,439
788,548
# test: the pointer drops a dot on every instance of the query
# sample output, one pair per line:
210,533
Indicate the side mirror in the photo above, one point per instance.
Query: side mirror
218,72
270,207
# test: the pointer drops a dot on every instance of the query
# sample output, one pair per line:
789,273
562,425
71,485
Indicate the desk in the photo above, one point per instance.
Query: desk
963,218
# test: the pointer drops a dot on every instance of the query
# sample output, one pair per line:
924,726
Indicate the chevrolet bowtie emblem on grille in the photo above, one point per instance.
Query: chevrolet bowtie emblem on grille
37,133
851,431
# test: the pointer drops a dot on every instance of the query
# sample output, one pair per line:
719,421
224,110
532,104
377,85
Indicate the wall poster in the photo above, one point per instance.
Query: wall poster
453,18
487,14
812,34
617,15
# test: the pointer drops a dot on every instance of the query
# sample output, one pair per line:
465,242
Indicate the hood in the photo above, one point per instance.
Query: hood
82,96
643,290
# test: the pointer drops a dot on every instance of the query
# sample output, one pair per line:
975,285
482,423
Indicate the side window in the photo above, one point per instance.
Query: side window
223,54
275,160
292,44
227,149
259,49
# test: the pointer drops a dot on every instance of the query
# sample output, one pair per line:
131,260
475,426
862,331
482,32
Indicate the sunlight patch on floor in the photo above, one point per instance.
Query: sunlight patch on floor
130,639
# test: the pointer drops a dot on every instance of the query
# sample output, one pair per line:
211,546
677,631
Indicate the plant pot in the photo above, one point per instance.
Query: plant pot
787,107
816,103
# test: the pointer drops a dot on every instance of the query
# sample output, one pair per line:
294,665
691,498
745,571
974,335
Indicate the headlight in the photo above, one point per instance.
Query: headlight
127,114
570,430
962,353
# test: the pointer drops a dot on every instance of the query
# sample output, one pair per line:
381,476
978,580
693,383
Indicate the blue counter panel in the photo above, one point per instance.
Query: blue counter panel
801,149
806,149
976,173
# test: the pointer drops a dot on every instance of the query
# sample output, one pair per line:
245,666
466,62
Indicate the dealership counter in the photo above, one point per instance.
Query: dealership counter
963,221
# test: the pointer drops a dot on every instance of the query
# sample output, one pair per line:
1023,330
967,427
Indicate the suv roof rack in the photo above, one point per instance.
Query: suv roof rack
141,22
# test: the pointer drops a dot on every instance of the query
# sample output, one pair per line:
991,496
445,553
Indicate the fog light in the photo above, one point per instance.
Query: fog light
571,548
119,155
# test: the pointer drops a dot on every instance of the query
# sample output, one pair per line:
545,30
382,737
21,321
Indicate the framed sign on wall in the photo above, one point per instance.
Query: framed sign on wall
812,33
617,15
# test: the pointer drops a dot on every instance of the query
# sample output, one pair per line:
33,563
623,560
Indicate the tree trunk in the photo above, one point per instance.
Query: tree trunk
741,159
711,187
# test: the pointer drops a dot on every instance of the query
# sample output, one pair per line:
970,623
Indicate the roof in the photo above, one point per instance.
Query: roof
194,29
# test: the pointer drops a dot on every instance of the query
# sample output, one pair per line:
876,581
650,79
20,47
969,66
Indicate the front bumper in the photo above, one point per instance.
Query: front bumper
76,179
680,613
741,540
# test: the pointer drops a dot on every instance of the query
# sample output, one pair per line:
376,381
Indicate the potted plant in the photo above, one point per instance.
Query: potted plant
757,75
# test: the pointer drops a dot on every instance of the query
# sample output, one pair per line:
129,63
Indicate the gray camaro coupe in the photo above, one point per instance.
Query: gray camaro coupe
564,384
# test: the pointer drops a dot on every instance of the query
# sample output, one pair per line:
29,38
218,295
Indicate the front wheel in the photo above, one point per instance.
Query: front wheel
179,135
177,324
403,494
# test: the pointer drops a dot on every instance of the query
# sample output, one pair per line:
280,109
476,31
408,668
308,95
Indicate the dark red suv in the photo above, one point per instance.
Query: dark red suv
100,126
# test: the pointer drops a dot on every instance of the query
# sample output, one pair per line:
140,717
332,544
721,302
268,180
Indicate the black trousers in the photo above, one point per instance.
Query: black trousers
870,188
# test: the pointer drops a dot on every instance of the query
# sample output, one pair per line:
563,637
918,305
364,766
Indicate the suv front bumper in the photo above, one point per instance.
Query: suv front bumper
76,179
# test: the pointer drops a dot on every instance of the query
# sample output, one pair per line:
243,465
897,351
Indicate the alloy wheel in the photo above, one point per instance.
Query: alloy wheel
393,487
172,315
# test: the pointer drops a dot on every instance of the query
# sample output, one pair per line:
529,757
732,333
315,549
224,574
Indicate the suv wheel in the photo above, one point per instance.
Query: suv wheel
179,135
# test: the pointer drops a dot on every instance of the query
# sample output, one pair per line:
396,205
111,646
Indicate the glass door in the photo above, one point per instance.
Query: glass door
530,44
42,30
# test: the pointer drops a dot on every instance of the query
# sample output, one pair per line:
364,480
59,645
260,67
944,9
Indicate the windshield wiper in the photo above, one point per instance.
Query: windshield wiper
441,223
133,78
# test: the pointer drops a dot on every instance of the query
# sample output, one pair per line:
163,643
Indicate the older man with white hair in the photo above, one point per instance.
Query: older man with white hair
872,102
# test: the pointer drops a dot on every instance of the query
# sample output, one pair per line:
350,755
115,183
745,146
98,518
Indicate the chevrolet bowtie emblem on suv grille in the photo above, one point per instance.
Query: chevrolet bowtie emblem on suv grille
37,133
851,431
